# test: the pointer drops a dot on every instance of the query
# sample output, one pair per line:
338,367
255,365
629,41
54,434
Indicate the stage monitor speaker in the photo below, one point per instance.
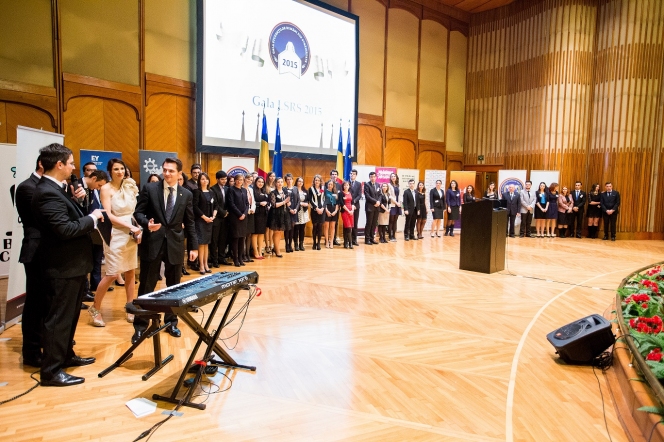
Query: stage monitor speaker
579,342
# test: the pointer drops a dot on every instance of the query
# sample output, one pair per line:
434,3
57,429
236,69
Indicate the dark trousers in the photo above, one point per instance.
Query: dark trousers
526,219
95,274
237,246
316,233
148,281
288,237
63,303
356,219
409,228
370,227
298,236
392,227
217,247
511,219
34,311
577,221
610,223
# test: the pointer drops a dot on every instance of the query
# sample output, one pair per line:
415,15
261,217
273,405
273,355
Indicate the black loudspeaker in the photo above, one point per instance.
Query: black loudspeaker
579,342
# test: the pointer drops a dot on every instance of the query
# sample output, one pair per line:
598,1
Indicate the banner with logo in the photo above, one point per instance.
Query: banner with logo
28,142
233,165
99,157
7,183
507,177
383,174
363,177
464,178
150,162
430,178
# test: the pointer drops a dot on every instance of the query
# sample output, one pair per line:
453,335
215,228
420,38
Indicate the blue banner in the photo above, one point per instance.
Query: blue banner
99,157
150,161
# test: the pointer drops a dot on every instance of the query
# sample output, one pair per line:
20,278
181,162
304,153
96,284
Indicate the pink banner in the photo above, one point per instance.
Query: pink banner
383,174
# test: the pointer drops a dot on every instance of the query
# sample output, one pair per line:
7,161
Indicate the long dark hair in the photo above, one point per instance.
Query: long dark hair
456,185
258,190
201,175
594,189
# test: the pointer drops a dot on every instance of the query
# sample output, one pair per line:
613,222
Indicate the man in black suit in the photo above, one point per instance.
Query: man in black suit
579,199
33,308
609,201
334,177
409,206
161,210
91,182
356,192
512,199
192,184
65,257
372,197
219,226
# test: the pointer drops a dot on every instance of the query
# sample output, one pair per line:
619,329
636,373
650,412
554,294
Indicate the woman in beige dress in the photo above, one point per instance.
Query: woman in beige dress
118,197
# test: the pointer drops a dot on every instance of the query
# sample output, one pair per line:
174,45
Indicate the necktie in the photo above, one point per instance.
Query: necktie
511,195
529,194
170,203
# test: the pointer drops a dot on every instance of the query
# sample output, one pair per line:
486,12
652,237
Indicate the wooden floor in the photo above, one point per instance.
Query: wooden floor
390,342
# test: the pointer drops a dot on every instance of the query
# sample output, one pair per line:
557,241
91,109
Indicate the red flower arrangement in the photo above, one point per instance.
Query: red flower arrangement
646,325
655,355
654,271
651,285
638,298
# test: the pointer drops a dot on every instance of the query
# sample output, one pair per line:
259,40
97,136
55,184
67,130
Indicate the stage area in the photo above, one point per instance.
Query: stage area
388,342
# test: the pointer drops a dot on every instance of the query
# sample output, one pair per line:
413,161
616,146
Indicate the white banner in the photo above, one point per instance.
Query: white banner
8,185
28,142
363,177
430,178
405,175
233,165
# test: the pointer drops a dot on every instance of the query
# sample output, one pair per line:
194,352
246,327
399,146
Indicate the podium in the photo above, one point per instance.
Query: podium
483,232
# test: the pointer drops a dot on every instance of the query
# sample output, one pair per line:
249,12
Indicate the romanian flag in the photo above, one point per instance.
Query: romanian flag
264,155
348,162
340,159
276,160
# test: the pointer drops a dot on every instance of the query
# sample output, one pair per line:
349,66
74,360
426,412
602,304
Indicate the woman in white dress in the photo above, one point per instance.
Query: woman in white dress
118,197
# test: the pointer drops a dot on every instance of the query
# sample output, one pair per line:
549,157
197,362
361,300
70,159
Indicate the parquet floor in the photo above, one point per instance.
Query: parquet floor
383,343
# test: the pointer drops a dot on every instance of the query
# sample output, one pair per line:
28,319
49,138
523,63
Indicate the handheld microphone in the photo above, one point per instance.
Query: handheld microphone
75,184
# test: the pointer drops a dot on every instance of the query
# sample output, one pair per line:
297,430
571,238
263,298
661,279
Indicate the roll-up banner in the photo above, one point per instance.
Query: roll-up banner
404,176
464,178
233,165
99,157
363,177
28,142
430,178
7,183
150,162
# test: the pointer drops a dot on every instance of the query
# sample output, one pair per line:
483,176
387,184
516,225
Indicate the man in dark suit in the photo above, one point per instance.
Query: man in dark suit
356,192
609,201
512,199
334,177
192,184
372,197
409,206
219,226
161,210
65,258
33,308
91,183
579,199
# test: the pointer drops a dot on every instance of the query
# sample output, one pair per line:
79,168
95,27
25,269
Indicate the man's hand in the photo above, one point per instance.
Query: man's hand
193,255
242,217
576,209
405,212
78,193
377,203
99,214
152,227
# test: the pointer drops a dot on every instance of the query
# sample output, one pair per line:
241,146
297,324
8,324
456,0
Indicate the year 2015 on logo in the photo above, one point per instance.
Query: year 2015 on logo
289,49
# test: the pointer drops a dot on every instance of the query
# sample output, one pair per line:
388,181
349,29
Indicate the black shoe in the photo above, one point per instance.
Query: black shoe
185,272
33,362
368,242
138,334
84,307
77,361
62,379
301,247
89,297
237,264
512,236
405,238
173,331
578,235
336,242
227,263
521,235
110,289
606,238
355,243
613,238
215,265
242,264
160,278
373,241
118,284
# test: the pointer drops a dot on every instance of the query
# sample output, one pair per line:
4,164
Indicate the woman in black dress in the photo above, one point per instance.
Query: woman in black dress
541,207
331,213
453,198
238,209
279,219
491,192
421,208
437,206
205,210
294,205
469,195
270,184
594,211
552,212
317,204
248,181
262,200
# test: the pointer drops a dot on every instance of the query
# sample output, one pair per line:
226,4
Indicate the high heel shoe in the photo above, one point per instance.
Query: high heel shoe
208,271
130,318
185,272
202,272
274,253
95,317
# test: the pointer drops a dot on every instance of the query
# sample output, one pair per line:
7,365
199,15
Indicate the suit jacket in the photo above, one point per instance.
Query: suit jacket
151,205
202,206
238,203
31,234
65,246
512,203
220,200
371,194
294,198
316,199
607,202
409,203
579,202
563,205
526,200
356,191
436,201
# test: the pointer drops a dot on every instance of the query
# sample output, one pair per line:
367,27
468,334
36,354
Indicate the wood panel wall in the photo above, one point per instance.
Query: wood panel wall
575,86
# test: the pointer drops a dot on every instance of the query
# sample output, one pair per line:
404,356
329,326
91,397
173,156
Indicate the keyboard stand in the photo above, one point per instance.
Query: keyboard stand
212,345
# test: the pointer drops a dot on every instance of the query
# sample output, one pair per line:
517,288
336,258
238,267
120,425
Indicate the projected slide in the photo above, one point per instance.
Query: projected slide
282,56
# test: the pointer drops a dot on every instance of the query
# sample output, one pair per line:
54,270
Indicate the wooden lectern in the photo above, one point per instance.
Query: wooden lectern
483,232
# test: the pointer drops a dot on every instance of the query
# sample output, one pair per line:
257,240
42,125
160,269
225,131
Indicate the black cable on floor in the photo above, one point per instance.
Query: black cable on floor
603,362
37,384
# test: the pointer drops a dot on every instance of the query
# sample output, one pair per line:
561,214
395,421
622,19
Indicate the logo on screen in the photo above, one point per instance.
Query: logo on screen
504,187
289,49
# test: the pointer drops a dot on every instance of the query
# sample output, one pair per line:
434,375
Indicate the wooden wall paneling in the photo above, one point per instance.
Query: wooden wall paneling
43,98
212,164
25,115
83,124
400,148
185,129
161,123
121,132
295,167
454,161
317,167
3,123
80,85
369,145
